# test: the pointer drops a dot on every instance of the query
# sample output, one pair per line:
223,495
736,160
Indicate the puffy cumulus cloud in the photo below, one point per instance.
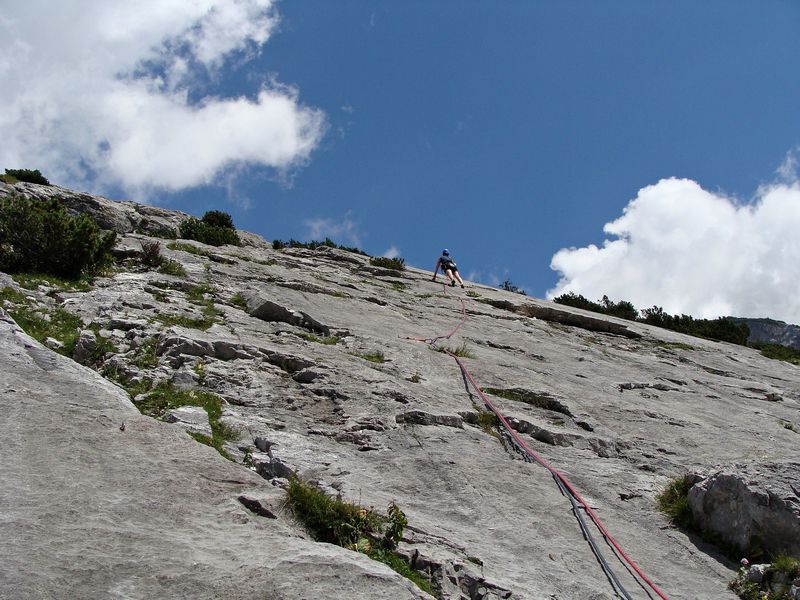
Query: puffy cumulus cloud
343,231
99,93
695,252
392,252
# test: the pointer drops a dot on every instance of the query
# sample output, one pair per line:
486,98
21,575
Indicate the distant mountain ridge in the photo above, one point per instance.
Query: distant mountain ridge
771,331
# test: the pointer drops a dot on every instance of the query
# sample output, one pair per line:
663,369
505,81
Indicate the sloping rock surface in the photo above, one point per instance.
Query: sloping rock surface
322,363
100,501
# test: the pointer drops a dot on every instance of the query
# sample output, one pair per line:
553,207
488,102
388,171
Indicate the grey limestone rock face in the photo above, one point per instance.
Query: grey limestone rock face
321,365
92,509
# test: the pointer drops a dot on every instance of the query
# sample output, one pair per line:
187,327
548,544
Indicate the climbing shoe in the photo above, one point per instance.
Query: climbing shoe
452,284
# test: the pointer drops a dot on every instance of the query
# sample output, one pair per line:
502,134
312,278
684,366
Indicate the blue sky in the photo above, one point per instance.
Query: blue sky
644,150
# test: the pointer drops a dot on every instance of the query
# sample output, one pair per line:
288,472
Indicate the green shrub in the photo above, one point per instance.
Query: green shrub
31,176
622,309
399,264
674,502
313,245
351,526
215,229
508,286
41,237
722,329
151,254
172,267
217,218
788,565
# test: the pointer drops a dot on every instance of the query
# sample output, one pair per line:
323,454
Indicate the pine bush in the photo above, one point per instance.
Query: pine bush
41,237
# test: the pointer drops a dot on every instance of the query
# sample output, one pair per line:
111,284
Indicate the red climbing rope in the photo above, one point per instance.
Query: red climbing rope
556,473
553,471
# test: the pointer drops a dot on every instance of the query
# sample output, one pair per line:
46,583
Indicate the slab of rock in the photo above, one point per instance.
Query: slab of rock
100,501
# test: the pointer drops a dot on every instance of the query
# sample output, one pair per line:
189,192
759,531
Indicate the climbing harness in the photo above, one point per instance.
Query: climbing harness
564,485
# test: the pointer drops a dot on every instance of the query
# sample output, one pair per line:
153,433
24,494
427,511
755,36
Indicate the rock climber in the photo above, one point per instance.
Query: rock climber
449,268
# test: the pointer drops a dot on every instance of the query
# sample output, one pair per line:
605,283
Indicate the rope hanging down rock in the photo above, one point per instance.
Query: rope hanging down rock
564,485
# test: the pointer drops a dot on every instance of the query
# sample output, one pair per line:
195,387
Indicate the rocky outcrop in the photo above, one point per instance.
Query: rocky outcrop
320,363
751,507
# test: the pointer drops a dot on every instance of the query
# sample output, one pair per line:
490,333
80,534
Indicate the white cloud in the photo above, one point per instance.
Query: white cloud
392,252
695,252
343,232
789,167
97,93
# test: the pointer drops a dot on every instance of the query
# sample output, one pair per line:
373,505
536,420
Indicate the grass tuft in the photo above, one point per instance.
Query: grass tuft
330,340
377,356
462,351
674,502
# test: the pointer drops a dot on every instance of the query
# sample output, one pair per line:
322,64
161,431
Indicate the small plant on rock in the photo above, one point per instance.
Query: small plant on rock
674,502
151,254
461,351
238,300
377,356
488,421
172,267
351,526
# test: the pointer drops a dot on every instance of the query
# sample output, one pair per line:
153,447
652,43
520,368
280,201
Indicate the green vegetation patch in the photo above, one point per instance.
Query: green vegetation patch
165,397
190,248
721,329
41,324
377,356
215,229
330,340
398,264
145,355
172,267
782,567
28,175
39,236
354,527
488,421
674,502
778,352
238,300
313,245
461,351
31,281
